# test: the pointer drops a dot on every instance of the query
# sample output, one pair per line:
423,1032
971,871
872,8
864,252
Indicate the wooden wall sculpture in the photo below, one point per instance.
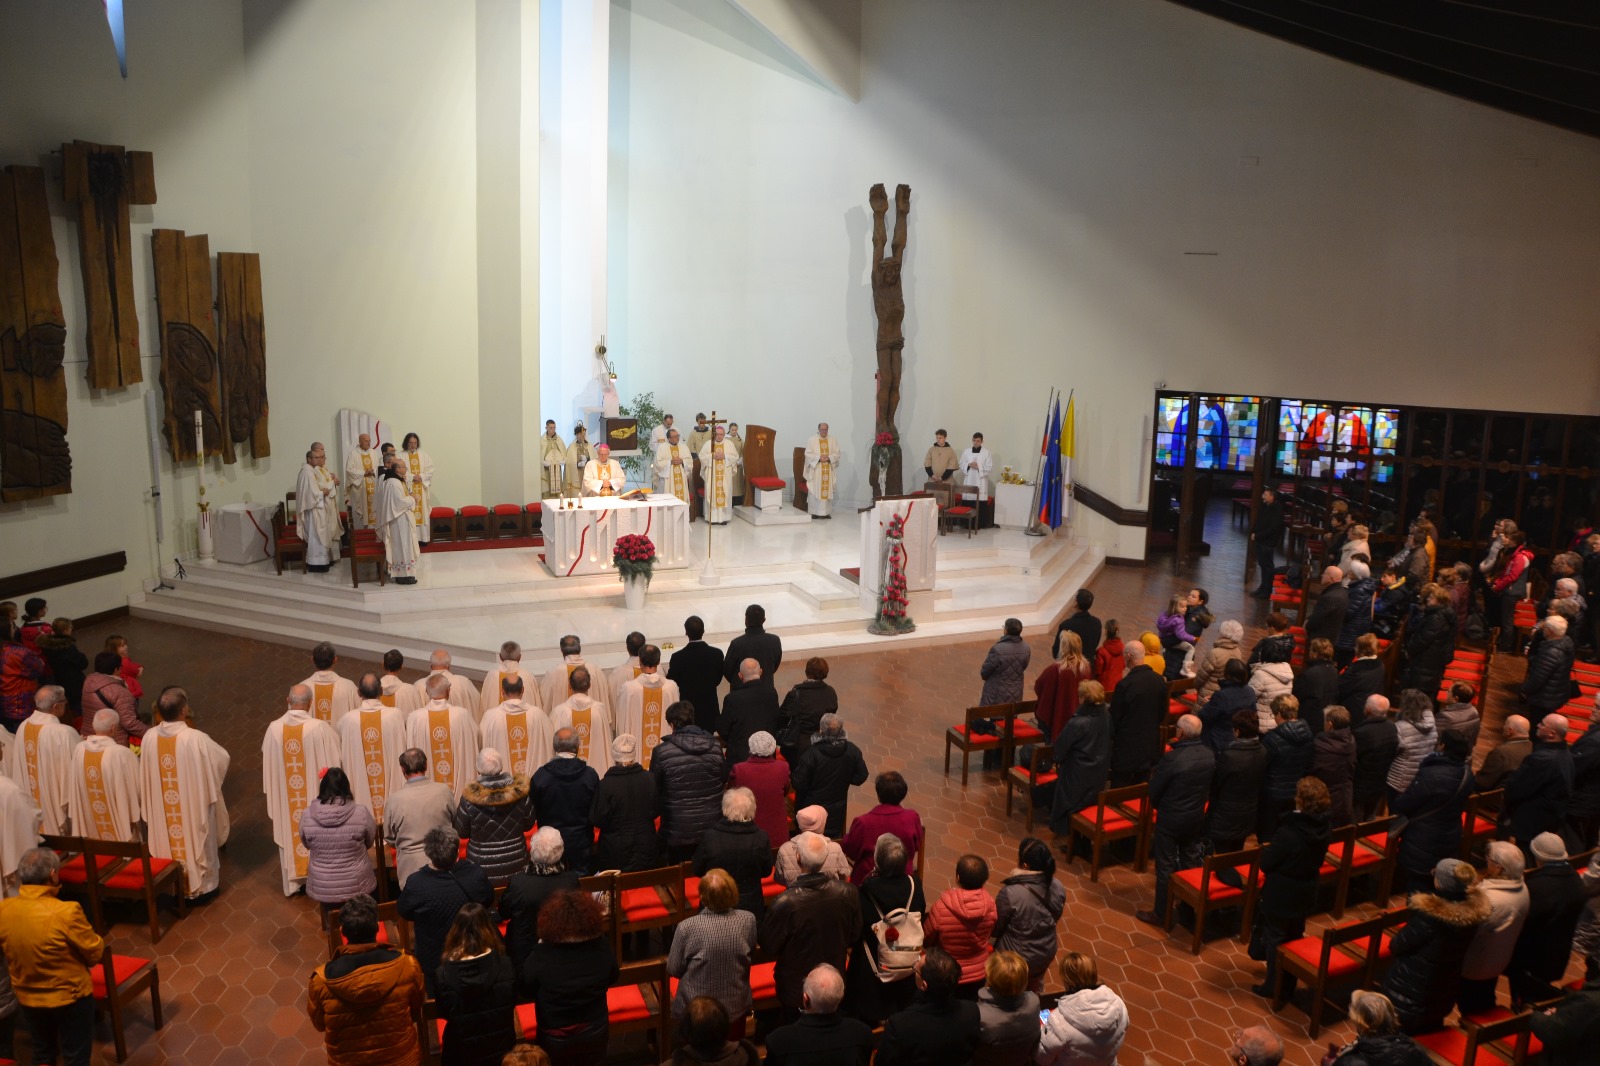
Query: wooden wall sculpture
189,378
242,357
34,460
889,303
103,180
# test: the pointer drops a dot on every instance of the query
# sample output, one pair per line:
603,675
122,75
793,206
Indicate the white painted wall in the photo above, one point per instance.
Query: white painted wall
1373,240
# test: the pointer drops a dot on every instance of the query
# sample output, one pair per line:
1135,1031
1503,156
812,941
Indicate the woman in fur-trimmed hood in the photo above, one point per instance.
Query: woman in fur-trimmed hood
494,813
1440,926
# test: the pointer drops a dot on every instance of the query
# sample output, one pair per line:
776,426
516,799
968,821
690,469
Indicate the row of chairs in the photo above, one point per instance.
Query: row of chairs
1008,732
364,547
480,522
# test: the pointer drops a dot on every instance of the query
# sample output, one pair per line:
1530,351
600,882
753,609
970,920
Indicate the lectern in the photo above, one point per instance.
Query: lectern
921,516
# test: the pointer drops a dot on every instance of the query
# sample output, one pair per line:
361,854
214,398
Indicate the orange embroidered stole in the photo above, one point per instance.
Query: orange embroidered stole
441,747
374,757
650,722
517,733
171,807
30,751
387,699
322,702
370,482
719,477
94,777
582,724
824,471
295,781
415,488
678,488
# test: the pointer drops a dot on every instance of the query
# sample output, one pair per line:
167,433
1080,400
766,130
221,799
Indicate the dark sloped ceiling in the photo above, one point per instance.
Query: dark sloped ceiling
1537,58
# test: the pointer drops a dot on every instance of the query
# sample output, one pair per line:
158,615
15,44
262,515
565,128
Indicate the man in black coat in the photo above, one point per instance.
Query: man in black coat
1570,1030
1548,685
1081,622
1429,644
696,668
937,1028
822,1036
1583,810
1363,678
1377,743
827,771
563,795
1082,758
1316,686
1327,617
754,643
1236,786
690,773
1179,788
1267,533
1556,899
434,894
817,920
1537,794
1138,711
1233,695
625,809
749,709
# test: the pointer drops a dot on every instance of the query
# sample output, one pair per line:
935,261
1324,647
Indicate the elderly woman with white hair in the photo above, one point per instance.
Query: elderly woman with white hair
1228,645
1362,589
766,775
624,812
1548,684
736,844
494,813
1495,939
527,891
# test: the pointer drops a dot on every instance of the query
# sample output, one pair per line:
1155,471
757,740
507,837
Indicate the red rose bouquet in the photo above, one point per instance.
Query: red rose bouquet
634,556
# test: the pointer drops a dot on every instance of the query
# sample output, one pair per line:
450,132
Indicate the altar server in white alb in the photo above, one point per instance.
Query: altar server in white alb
822,472
181,789
447,733
397,528
579,452
590,719
332,696
552,453
718,461
39,757
461,691
296,749
398,693
603,476
975,466
674,466
371,738
417,468
642,707
556,686
518,728
492,694
316,498
363,468
104,802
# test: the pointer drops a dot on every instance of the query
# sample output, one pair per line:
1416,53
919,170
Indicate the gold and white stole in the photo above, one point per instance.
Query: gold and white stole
172,807
824,470
517,734
388,699
95,778
296,786
374,758
30,752
582,724
370,482
414,461
651,715
322,701
571,667
678,488
441,746
719,476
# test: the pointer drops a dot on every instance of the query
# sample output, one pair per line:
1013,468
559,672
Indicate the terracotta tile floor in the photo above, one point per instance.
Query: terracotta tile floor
233,974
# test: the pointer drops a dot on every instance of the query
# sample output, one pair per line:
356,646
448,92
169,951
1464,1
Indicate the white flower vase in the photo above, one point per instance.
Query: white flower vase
633,592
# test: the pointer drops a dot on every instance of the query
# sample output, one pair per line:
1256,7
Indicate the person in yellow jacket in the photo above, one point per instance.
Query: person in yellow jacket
367,997
49,947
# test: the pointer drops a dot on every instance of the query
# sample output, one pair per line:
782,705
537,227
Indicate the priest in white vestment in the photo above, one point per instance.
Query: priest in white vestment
510,666
39,757
579,453
398,693
104,802
332,696
449,736
603,475
659,435
221,759
518,729
181,790
396,528
642,707
590,719
718,462
371,738
822,472
316,497
552,454
737,441
417,468
19,830
363,468
618,676
463,693
674,467
975,466
556,685
296,749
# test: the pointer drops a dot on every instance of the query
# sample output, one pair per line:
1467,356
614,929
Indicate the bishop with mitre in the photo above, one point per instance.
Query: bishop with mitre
363,467
718,461
298,746
519,729
181,789
603,475
552,453
822,472
104,801
642,706
397,527
447,734
316,498
371,738
674,466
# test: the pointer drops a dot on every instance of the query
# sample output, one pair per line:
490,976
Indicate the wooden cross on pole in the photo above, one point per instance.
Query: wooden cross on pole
705,508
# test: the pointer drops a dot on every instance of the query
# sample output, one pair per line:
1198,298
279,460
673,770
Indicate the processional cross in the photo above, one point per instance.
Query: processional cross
708,576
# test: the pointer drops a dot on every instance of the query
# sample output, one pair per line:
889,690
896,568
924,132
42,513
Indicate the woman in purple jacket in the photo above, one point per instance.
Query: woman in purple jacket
337,831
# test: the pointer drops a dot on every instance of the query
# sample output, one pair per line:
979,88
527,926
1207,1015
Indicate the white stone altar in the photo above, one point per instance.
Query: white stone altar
580,540
921,542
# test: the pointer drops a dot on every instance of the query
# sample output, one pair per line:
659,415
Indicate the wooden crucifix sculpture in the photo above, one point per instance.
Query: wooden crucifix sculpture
889,302
103,179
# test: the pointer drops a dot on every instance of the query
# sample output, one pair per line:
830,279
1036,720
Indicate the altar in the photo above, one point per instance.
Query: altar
921,514
580,540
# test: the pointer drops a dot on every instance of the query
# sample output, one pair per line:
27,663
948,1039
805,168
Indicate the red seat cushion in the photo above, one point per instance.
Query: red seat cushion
959,511
122,968
976,738
1216,891
442,512
1020,776
625,1003
1309,949
642,905
507,509
475,510
770,889
74,872
767,483
535,508
691,892
763,984
1026,733
527,1021
1451,1044
289,540
131,876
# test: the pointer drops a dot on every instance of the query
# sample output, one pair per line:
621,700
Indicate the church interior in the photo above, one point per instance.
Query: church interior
1342,258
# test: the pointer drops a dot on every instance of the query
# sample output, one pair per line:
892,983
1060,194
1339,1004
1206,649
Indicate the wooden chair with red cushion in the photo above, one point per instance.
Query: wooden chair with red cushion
286,540
444,524
641,1001
73,852
1203,890
509,520
962,511
475,523
535,519
1346,954
1496,1036
1480,822
1375,853
365,547
649,899
1337,864
1025,780
139,876
1120,814
118,981
963,738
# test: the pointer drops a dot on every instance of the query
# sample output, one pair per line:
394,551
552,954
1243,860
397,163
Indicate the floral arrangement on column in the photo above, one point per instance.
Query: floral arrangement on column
885,448
892,601
634,556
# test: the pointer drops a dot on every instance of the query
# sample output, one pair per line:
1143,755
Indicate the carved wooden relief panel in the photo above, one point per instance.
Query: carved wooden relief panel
34,461
189,375
242,357
102,180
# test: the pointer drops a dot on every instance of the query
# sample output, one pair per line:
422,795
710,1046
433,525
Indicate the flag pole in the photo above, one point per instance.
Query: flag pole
1037,528
1066,480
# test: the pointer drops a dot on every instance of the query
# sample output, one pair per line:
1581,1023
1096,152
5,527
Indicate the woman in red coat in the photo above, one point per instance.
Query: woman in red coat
768,777
1108,661
1057,686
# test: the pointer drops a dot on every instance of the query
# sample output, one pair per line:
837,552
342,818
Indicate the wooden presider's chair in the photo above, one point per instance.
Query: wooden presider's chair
800,478
764,486
286,540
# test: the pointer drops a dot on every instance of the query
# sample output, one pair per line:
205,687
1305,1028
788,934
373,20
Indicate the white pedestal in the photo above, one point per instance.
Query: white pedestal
921,542
242,533
1013,506
769,500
